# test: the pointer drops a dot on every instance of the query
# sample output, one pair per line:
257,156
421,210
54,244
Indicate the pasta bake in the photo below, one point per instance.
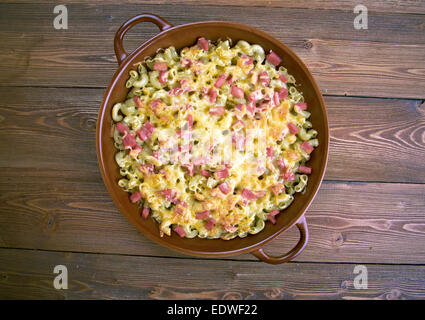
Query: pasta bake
212,141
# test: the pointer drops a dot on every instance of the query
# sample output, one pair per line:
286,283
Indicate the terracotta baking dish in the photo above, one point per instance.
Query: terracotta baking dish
186,35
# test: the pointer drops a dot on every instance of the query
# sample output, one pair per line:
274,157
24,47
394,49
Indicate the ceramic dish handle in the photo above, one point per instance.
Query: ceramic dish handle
144,17
302,226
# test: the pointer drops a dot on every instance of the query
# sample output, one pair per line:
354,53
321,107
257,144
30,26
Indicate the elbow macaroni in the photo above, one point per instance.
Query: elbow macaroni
159,162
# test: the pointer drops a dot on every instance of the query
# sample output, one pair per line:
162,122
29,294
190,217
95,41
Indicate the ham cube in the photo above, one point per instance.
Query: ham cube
237,92
224,187
122,128
212,94
136,196
270,152
203,44
272,215
307,147
185,62
180,231
217,111
283,78
163,77
264,78
220,81
273,58
129,141
210,224
160,66
283,93
304,169
255,96
205,173
145,213
221,174
293,128
202,215
276,99
248,194
301,105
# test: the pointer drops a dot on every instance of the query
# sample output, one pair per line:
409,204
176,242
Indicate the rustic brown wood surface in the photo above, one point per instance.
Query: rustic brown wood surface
54,208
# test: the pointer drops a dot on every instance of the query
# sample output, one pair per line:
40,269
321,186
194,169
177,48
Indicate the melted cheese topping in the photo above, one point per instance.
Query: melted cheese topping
212,141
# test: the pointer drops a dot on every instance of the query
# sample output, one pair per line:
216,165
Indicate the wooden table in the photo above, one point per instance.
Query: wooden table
55,209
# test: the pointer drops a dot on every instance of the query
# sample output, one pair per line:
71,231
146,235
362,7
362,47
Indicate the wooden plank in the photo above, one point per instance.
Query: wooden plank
384,61
406,6
29,275
56,126
349,222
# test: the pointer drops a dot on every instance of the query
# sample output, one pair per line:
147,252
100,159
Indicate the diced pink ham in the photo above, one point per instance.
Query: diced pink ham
202,215
255,96
237,92
212,94
138,102
277,189
293,128
270,152
220,81
163,77
189,168
160,66
251,107
203,44
129,141
276,99
273,58
283,93
288,175
122,128
224,187
272,215
136,196
301,105
180,231
146,168
248,194
146,131
283,78
264,78
210,224
145,213
190,122
307,147
304,169
169,194
205,173
281,164
175,92
217,111
155,103
221,174
186,62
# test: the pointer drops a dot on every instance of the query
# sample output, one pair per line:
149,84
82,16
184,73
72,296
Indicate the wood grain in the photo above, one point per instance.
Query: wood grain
342,59
349,222
56,126
405,6
26,274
